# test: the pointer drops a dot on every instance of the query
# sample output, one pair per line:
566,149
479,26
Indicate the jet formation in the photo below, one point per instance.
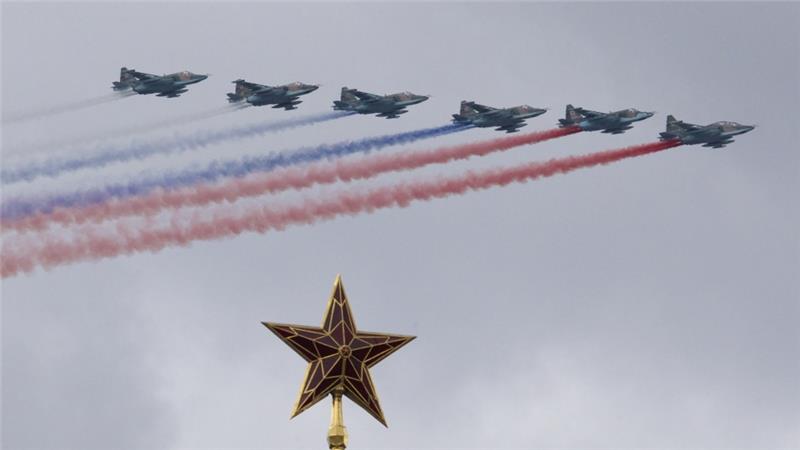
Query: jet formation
171,86
389,106
615,122
284,96
509,120
715,135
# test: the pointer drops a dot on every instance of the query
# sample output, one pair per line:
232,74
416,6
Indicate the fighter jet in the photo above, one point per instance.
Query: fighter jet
615,122
172,85
280,96
389,106
509,120
715,135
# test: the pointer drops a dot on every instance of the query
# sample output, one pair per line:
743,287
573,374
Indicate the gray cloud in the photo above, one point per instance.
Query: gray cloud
652,303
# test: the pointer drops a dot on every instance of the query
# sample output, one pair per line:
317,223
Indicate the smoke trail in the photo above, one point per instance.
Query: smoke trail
64,107
17,208
289,178
92,243
123,132
141,150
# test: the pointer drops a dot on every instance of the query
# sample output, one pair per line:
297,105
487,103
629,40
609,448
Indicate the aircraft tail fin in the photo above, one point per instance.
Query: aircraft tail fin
126,74
126,79
467,109
673,124
347,95
238,93
242,90
571,117
673,130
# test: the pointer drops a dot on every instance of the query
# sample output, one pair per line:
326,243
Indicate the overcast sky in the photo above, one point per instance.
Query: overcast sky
653,303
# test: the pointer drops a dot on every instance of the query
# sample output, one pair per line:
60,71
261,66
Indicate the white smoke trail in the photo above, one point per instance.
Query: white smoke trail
51,110
69,144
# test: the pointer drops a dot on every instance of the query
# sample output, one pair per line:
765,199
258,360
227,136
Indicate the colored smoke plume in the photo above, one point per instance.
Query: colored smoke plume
290,178
63,107
140,150
106,135
93,243
16,208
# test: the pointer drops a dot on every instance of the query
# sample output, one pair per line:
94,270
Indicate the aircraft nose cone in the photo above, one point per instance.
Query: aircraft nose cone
747,128
422,98
311,88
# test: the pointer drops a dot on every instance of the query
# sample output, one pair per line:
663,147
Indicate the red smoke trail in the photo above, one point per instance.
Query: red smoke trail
92,243
289,178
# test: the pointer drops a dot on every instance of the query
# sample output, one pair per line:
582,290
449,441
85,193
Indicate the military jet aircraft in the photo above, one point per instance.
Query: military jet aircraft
509,120
715,135
389,106
172,85
284,96
615,122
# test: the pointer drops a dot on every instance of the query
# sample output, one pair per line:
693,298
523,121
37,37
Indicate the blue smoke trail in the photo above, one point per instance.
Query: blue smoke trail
18,208
141,150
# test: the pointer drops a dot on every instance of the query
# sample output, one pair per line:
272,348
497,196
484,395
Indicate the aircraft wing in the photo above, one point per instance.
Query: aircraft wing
392,114
288,105
512,127
255,87
365,96
718,144
171,94
482,108
687,126
145,77
589,114
617,130
272,91
503,115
